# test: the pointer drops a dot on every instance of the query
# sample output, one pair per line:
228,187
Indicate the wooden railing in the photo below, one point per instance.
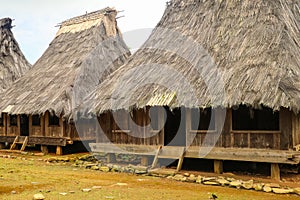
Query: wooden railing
276,136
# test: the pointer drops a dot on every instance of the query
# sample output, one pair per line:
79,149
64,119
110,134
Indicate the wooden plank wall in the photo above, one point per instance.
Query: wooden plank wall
295,130
13,130
3,129
285,126
130,128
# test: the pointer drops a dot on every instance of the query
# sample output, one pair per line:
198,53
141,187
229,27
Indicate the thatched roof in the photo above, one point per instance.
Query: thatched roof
212,53
85,50
13,63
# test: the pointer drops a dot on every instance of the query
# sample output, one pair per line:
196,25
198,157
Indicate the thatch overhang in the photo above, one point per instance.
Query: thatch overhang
13,63
85,50
219,53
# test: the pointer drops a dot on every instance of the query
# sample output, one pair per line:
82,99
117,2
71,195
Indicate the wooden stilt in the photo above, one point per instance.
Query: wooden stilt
111,158
145,161
218,166
59,150
44,149
275,171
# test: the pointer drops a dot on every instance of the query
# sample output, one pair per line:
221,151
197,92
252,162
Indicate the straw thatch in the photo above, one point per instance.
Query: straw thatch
85,50
13,64
212,53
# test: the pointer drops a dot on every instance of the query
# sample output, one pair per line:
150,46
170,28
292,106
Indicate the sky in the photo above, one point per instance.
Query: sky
36,21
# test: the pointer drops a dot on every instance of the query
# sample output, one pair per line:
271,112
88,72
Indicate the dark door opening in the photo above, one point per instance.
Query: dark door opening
24,125
175,127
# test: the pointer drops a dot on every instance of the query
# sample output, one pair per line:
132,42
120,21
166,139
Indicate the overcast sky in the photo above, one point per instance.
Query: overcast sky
35,20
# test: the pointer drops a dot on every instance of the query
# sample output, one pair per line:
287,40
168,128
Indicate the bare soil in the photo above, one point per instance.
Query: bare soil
28,175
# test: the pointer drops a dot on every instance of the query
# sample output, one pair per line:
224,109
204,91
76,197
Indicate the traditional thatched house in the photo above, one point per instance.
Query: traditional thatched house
13,64
233,64
37,107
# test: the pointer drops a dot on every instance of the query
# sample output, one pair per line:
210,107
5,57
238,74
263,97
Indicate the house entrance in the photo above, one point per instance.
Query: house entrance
24,125
175,128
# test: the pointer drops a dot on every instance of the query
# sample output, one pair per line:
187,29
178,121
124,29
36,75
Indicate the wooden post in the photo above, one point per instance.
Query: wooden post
19,124
218,166
161,121
59,150
42,122
145,161
188,127
44,149
275,171
5,123
285,125
295,129
30,125
62,128
47,124
111,158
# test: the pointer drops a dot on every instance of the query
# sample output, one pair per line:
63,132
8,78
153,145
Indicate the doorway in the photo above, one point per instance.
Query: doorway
175,127
24,125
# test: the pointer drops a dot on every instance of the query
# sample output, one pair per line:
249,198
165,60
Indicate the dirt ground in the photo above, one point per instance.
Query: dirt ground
24,176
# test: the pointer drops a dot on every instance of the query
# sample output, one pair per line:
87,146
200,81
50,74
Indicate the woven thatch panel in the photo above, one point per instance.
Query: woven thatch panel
85,50
212,53
13,64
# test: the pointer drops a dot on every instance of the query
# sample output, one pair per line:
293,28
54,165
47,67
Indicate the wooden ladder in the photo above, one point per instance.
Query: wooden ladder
20,140
170,152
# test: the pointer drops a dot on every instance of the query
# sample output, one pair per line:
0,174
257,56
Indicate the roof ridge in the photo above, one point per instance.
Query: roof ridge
87,17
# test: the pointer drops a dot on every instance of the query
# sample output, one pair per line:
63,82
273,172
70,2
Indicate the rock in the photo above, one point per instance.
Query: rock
38,196
297,191
210,183
258,186
247,185
209,179
104,169
170,177
63,193
199,179
267,189
282,191
140,171
34,183
223,181
86,190
95,168
116,168
186,174
192,178
121,184
13,192
71,192
236,184
96,187
273,185
184,179
178,177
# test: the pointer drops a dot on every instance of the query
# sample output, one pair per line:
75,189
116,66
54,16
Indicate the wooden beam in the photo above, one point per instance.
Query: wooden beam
275,171
180,161
156,157
218,166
